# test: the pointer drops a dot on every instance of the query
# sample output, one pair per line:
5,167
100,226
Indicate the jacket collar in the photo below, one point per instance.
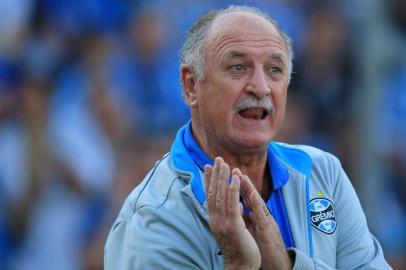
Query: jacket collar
188,157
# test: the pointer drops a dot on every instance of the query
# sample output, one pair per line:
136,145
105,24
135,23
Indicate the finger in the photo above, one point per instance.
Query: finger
234,207
246,189
222,184
241,209
260,213
212,188
208,170
252,231
237,172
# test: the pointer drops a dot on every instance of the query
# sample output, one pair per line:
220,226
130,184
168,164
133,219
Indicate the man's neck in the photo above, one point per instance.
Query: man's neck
255,167
253,164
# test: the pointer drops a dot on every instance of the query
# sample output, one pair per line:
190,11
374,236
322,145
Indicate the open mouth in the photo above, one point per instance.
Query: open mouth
254,113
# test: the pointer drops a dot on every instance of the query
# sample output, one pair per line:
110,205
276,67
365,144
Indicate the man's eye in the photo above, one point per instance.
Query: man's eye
238,67
276,70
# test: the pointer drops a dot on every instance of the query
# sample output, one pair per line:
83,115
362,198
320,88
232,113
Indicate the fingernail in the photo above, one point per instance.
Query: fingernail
266,210
237,171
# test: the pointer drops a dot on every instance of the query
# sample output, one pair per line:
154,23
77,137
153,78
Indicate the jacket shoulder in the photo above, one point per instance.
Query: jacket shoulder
323,168
154,189
315,157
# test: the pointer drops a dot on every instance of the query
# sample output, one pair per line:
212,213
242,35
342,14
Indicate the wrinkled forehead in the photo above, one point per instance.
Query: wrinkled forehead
241,25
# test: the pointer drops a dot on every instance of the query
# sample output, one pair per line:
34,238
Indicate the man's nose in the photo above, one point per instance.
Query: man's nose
258,84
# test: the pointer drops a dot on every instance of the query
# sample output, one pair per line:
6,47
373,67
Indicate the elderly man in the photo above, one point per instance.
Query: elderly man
259,204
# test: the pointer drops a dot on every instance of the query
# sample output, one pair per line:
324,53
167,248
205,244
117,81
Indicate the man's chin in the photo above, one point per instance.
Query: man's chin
252,143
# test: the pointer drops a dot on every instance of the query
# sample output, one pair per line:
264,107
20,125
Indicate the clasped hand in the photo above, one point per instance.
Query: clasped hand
258,246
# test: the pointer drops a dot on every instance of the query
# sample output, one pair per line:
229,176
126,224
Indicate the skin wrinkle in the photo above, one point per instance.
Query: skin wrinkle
254,42
262,37
221,47
235,55
226,30
241,54
218,38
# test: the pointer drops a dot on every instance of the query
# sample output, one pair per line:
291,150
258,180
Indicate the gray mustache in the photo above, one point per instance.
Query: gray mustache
252,101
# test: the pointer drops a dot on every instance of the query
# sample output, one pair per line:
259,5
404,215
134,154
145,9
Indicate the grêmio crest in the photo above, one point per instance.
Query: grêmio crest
322,215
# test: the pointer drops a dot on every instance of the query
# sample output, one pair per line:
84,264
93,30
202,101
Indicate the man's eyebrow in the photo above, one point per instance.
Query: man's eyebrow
235,54
277,56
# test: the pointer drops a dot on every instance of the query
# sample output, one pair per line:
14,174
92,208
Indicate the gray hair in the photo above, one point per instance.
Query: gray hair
192,53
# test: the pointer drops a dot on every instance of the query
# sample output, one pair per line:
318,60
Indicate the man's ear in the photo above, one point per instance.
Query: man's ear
189,85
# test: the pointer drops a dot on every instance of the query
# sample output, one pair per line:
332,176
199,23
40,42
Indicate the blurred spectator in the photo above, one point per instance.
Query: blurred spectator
397,9
391,128
159,108
323,81
77,18
56,169
14,21
323,73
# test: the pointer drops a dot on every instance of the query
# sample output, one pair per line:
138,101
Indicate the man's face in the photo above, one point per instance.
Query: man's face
245,57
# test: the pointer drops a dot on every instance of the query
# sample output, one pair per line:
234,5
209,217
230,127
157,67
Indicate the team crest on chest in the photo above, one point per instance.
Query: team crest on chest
322,215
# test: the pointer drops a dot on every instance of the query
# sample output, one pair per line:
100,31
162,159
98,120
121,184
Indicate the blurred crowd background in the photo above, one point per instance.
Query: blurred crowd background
90,98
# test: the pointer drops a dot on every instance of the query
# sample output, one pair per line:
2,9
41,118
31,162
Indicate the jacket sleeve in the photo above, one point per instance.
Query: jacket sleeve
153,239
357,248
